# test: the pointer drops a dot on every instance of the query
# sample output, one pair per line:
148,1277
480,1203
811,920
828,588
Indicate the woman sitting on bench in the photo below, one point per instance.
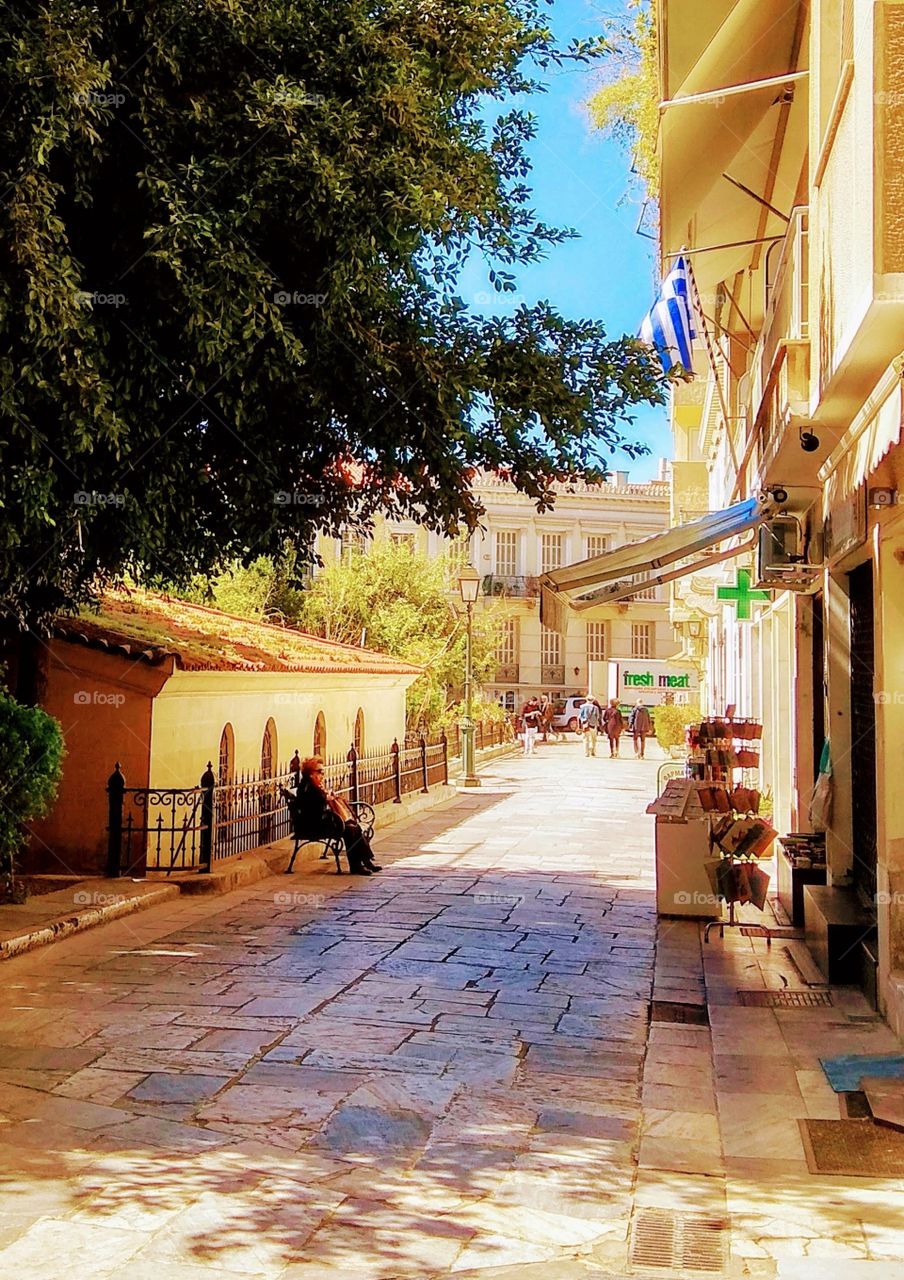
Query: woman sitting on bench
317,813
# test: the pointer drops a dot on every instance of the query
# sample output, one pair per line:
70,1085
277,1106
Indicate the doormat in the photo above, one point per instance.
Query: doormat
852,1148
845,1073
679,1242
672,1011
785,999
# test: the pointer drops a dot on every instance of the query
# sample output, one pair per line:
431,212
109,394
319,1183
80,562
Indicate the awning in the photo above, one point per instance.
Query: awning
875,430
611,577
736,135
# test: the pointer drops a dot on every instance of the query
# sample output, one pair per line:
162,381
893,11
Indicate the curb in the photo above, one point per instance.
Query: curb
89,918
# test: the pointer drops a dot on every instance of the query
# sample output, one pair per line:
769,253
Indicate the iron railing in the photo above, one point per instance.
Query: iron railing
191,828
508,584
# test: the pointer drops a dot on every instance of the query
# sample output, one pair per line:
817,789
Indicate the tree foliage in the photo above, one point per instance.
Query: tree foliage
670,721
626,105
398,602
229,239
31,757
265,590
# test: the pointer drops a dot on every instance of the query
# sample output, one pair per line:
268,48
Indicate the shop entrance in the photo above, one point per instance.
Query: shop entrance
863,732
819,683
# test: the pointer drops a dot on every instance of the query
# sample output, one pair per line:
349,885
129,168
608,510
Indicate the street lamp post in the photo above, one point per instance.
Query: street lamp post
468,586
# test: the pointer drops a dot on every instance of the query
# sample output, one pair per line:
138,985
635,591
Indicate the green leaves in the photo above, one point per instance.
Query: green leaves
402,602
31,756
230,235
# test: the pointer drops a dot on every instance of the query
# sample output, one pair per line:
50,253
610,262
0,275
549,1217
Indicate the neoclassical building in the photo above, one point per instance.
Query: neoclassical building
516,544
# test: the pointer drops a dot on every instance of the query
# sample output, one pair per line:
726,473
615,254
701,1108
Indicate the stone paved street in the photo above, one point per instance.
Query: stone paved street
439,1070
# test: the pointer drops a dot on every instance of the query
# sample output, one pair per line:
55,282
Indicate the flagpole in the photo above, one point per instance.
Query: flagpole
726,417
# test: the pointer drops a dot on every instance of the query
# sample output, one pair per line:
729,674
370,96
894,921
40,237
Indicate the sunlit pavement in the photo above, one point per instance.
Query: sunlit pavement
438,1070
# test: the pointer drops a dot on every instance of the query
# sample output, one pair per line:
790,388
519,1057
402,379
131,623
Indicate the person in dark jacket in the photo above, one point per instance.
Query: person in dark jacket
614,724
640,726
313,818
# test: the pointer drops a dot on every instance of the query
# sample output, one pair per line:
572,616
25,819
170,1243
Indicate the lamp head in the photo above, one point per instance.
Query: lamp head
469,584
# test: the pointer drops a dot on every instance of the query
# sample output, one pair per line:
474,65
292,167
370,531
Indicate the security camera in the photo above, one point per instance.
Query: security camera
774,494
808,442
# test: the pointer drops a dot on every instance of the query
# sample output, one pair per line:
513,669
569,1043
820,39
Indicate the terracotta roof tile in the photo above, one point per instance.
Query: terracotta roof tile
148,627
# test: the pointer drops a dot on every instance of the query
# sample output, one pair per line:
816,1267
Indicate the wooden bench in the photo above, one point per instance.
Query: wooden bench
334,846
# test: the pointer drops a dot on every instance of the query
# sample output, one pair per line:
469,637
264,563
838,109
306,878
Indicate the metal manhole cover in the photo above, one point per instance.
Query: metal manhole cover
785,999
672,1011
679,1242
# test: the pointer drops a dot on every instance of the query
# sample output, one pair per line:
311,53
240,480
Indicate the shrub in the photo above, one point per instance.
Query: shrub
671,721
31,756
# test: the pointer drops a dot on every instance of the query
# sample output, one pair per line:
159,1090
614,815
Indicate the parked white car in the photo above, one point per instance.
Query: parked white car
565,714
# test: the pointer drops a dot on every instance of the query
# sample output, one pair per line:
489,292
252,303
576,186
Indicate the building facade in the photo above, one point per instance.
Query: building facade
163,687
516,544
782,161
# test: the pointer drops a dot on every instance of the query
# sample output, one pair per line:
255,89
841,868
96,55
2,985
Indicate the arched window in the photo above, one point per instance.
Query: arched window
226,768
359,730
320,735
268,749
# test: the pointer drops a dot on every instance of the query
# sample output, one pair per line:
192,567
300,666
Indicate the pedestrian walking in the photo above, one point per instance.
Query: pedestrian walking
545,716
614,724
589,717
640,726
530,719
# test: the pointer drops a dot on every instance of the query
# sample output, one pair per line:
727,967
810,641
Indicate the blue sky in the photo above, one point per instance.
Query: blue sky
579,181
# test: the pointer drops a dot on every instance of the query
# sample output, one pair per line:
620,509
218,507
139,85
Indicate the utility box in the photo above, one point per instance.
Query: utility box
682,849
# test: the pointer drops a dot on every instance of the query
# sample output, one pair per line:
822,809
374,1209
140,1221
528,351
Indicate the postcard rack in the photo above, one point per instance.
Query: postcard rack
724,761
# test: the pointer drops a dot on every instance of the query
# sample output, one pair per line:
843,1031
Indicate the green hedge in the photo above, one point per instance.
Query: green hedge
31,758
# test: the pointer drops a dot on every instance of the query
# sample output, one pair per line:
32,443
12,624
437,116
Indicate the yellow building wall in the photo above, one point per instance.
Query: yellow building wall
193,707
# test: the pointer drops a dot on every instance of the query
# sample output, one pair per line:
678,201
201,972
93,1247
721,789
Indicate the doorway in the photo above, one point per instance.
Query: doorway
863,732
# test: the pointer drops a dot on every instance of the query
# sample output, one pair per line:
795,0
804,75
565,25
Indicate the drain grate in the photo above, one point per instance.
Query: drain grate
672,1011
855,1105
785,999
679,1242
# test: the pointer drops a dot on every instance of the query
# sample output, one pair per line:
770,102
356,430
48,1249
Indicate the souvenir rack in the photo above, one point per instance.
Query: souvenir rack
724,761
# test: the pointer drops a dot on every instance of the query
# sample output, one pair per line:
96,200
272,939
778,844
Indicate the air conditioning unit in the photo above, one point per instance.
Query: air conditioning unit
782,560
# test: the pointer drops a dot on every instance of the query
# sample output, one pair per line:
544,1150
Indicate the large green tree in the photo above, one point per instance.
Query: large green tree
230,232
399,602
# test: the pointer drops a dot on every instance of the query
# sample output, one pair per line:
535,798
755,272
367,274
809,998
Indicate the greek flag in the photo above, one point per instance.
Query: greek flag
669,326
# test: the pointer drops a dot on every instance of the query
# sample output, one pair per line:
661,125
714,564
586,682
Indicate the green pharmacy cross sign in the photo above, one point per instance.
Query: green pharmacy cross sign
741,594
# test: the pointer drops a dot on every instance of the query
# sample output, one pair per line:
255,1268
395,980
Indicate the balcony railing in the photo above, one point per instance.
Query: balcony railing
495,584
507,673
552,674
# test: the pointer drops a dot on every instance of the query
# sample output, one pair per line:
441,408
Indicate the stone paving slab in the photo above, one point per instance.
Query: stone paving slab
445,1070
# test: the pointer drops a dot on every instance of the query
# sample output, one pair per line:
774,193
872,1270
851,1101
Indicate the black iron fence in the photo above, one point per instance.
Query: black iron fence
191,828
